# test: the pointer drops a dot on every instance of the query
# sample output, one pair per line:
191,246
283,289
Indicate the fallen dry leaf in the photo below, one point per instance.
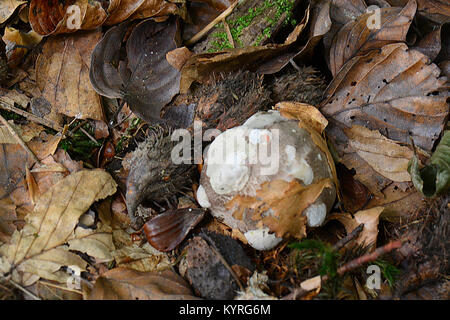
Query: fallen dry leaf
42,246
145,79
286,200
127,284
140,9
62,75
370,219
26,132
178,57
133,256
14,38
48,18
202,12
303,112
7,8
394,91
385,156
356,38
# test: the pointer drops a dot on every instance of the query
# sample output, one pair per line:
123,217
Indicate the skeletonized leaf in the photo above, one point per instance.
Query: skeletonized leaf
357,37
434,178
39,249
127,284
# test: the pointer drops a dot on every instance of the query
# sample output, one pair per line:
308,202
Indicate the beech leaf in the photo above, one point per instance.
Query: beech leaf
356,38
127,284
42,246
62,74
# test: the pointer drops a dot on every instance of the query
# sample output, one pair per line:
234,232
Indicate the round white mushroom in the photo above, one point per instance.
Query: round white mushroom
266,148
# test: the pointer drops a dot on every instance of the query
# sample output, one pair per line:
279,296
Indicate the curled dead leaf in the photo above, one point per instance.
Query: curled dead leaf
370,219
358,36
47,17
144,78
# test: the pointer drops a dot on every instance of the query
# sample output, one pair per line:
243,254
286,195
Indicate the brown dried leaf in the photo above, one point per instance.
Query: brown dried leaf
26,132
13,38
287,200
385,156
303,112
140,9
127,284
145,79
62,74
178,57
395,91
202,12
356,38
7,8
39,249
138,257
369,218
47,18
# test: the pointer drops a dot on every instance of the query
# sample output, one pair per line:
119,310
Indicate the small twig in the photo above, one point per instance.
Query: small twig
18,286
89,136
370,256
228,31
299,292
341,243
19,139
45,283
212,24
32,117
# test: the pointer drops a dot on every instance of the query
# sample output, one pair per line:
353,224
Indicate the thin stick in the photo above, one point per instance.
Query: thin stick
18,286
19,139
31,117
370,256
299,292
212,24
45,283
89,136
341,243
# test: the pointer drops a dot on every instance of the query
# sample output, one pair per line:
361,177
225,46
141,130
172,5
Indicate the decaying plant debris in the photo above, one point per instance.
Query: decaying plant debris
92,205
